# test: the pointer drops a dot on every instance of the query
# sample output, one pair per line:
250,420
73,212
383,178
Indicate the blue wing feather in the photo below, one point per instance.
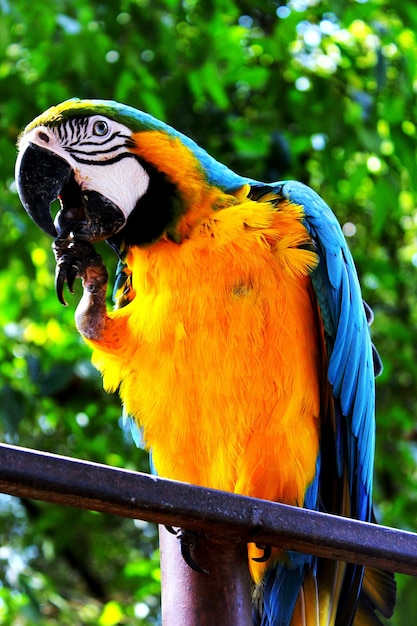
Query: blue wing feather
281,589
351,370
351,375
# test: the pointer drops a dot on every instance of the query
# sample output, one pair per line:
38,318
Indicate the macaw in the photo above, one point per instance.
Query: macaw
239,340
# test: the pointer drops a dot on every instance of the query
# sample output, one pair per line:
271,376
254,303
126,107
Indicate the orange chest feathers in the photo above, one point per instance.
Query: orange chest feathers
219,354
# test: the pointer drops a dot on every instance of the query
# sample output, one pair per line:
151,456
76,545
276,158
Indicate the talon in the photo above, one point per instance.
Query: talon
186,555
266,555
77,258
59,285
188,540
72,274
65,274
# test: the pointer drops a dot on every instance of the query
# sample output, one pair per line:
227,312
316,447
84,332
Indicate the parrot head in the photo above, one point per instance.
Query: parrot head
80,152
119,174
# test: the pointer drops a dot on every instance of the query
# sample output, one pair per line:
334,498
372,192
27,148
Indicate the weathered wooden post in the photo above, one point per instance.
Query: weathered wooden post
191,598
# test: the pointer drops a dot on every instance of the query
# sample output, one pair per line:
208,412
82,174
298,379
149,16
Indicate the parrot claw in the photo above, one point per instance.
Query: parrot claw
74,258
71,276
59,285
188,540
266,555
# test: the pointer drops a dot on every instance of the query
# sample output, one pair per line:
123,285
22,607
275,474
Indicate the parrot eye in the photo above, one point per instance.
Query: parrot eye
100,128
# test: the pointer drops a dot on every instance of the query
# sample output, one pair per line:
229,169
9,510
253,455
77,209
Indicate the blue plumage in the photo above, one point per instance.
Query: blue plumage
281,588
351,371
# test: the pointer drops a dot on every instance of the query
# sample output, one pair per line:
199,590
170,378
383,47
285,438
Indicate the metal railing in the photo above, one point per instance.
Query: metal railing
232,519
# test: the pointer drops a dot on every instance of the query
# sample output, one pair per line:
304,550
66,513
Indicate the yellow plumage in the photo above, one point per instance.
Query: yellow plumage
217,354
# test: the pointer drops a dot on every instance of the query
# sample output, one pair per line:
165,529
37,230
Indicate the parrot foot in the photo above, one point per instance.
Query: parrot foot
266,555
188,540
78,258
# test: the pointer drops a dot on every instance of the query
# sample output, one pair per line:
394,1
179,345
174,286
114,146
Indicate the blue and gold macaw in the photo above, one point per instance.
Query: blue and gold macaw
239,341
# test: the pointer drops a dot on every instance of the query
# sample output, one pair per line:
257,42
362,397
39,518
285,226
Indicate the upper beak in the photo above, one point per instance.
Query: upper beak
43,176
40,177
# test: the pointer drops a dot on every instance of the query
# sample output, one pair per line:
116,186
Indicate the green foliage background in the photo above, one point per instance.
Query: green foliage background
320,91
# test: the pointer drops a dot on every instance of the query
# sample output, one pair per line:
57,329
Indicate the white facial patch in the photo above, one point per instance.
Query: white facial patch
97,150
123,182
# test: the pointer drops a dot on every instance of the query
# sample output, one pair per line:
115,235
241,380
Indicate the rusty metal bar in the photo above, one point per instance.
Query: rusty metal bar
67,481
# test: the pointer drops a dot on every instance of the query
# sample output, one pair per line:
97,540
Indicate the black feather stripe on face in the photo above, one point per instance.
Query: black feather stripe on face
156,213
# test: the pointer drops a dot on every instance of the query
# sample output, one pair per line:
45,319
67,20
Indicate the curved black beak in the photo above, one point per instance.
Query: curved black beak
40,177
